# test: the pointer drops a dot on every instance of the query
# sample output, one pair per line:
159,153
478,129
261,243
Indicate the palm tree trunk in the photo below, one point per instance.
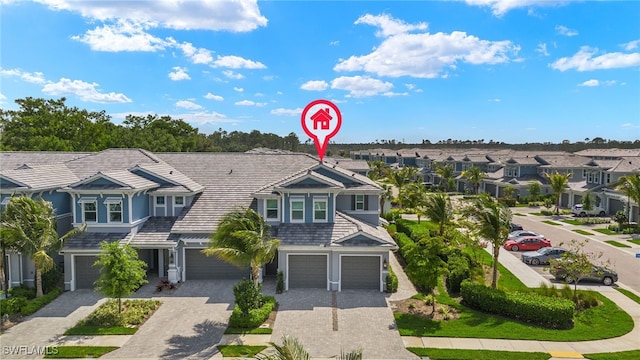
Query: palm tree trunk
38,283
255,275
496,252
119,305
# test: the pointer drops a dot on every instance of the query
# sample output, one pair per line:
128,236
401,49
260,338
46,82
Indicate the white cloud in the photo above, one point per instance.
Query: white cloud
196,55
361,86
237,62
495,100
393,94
563,30
33,78
542,49
124,35
287,112
211,96
631,45
232,75
583,60
315,85
334,43
179,73
238,89
426,55
236,16
501,7
595,82
187,104
84,90
3,98
258,94
250,103
195,118
388,25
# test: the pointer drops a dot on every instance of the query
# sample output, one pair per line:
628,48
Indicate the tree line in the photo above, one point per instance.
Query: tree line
50,125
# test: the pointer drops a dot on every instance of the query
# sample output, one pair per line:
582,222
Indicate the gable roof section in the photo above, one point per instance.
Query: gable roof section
356,180
40,177
111,159
168,173
15,159
121,179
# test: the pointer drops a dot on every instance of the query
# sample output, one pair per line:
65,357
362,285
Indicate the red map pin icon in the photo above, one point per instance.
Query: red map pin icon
321,120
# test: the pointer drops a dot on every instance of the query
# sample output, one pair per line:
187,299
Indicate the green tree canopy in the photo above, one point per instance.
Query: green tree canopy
439,210
474,175
630,186
558,184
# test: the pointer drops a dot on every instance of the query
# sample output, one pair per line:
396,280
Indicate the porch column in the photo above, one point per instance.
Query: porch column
161,263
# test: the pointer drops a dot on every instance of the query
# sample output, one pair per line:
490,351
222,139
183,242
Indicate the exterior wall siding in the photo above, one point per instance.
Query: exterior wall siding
140,203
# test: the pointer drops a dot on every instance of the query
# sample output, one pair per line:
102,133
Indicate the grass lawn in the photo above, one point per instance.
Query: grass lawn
635,241
240,350
617,244
549,222
519,214
99,330
622,355
573,222
605,231
537,213
105,319
436,354
602,322
243,331
78,352
630,295
582,232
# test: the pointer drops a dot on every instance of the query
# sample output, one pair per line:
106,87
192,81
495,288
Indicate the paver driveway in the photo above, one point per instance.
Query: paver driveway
189,323
362,317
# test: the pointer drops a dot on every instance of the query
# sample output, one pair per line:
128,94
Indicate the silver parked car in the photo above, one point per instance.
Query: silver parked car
543,255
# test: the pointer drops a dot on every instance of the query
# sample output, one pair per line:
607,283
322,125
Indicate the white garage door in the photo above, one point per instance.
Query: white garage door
360,272
307,271
202,267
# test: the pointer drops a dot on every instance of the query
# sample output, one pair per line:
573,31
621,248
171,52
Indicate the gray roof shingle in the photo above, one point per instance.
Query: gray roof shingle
92,240
40,177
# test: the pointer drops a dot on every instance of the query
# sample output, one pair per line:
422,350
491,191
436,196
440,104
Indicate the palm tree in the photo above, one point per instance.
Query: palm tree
492,221
439,210
399,178
446,176
386,196
31,227
243,239
292,349
474,176
378,170
630,186
558,183
413,196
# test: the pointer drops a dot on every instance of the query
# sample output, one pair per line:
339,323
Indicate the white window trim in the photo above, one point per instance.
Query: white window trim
155,201
291,201
84,201
266,210
324,200
175,203
110,201
355,200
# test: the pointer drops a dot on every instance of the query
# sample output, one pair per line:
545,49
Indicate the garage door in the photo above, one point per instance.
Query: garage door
307,271
202,267
360,272
86,273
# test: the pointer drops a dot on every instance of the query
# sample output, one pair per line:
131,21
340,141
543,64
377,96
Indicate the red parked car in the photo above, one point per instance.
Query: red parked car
528,243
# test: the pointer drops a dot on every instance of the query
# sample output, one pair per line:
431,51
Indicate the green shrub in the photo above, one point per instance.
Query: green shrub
280,282
255,317
134,312
23,291
507,201
392,215
414,230
404,243
12,305
247,295
37,303
545,311
459,270
51,279
391,281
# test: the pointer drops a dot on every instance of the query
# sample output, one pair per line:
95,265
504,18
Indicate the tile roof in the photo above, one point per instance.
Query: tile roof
122,179
615,152
91,240
330,234
627,165
14,159
166,171
564,161
349,164
156,231
111,159
41,177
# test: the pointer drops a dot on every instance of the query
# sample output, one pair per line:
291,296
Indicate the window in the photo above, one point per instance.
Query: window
115,212
89,211
297,210
590,177
160,200
178,200
320,210
272,209
359,202
584,173
608,178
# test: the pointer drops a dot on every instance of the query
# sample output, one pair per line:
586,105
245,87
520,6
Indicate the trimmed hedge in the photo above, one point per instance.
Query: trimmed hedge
404,243
414,230
392,281
459,270
256,316
541,310
19,304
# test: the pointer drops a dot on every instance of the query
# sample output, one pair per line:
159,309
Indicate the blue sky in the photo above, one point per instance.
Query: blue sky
502,70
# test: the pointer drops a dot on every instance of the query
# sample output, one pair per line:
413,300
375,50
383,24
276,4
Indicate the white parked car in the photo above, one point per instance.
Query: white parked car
578,210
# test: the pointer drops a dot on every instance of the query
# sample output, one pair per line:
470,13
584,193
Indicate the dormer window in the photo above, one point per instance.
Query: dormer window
178,200
272,209
359,202
114,209
89,210
297,209
159,200
320,209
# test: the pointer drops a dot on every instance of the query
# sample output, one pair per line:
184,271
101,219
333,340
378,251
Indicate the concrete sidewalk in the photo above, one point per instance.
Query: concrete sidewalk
558,350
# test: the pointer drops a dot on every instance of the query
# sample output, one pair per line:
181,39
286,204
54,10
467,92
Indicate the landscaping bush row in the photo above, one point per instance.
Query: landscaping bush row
255,317
22,303
404,243
459,269
507,201
414,230
134,312
541,310
391,281
626,228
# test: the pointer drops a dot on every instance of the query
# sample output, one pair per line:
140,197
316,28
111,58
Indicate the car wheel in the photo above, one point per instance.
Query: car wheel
569,280
535,261
514,248
583,214
601,214
607,281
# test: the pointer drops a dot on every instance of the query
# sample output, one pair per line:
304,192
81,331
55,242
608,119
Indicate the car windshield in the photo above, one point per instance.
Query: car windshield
543,251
